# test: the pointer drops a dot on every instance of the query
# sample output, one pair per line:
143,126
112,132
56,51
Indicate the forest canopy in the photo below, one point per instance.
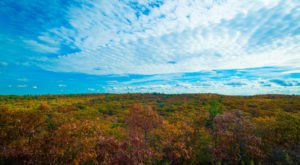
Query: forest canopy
150,129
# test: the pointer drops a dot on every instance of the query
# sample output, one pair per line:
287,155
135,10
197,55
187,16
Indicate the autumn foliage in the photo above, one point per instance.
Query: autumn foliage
149,129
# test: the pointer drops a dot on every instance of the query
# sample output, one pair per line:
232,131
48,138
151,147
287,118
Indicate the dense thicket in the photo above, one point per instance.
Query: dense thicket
149,129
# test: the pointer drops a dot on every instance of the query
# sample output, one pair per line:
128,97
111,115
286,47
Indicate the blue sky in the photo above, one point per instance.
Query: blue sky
170,46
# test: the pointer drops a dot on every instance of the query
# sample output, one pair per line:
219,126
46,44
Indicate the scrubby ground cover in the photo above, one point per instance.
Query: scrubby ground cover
150,129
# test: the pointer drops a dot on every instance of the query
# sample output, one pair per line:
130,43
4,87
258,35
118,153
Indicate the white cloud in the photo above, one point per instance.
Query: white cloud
62,85
98,24
179,36
41,47
190,54
22,86
23,79
234,86
91,89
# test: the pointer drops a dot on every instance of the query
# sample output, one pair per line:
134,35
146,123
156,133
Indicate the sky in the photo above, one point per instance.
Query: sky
230,47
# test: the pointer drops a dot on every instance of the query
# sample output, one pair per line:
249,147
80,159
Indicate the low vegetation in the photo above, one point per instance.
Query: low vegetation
150,129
